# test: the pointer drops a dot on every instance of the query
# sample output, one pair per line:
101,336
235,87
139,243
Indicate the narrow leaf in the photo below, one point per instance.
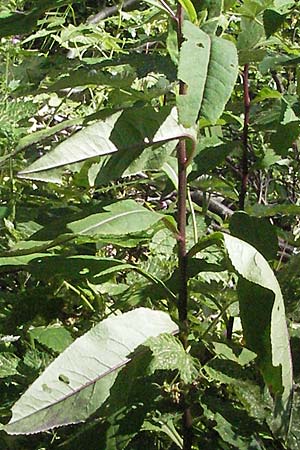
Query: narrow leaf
190,9
76,384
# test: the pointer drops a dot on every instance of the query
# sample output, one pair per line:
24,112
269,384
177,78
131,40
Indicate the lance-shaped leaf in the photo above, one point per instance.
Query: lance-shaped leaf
264,324
76,384
121,218
129,131
211,77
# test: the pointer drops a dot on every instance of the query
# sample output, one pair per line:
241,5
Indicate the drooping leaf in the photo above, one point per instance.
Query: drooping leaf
261,303
211,77
79,380
127,132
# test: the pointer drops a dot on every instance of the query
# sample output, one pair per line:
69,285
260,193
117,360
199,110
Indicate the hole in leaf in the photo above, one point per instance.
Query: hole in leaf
64,379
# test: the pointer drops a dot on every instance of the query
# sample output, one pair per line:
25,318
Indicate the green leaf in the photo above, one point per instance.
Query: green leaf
55,337
21,23
189,8
261,303
283,209
79,380
211,77
169,354
127,132
8,364
208,158
121,218
214,14
266,93
256,231
21,260
90,76
272,21
74,267
273,61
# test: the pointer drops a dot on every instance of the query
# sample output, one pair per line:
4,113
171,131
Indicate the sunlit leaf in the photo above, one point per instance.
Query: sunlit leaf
261,303
79,380
211,77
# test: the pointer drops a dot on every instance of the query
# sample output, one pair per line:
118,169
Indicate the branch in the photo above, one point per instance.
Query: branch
214,205
112,10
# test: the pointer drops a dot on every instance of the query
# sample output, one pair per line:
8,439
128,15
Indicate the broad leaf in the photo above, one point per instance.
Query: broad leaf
169,354
261,303
125,132
273,21
257,231
121,218
8,364
54,336
76,384
211,77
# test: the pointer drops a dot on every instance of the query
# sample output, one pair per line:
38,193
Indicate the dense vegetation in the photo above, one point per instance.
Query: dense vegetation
149,224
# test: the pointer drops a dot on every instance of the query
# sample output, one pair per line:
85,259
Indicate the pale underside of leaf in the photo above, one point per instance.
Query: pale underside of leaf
124,131
76,384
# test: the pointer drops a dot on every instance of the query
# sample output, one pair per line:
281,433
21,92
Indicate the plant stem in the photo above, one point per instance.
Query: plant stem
182,253
245,169
244,164
182,210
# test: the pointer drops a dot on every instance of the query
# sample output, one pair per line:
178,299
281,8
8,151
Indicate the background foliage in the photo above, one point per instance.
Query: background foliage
88,230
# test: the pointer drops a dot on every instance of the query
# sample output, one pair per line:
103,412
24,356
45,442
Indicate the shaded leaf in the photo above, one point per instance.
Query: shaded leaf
272,210
256,231
21,23
272,21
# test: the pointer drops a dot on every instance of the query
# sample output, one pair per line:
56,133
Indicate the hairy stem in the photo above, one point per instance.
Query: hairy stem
182,253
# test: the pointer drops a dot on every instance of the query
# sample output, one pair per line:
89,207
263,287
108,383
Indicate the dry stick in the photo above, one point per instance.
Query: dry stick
182,253
244,165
